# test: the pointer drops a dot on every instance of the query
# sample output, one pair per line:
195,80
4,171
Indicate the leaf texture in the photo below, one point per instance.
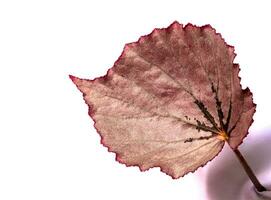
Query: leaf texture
171,100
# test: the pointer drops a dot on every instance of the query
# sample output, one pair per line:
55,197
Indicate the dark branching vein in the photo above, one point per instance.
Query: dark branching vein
199,138
228,117
218,107
206,113
202,126
233,127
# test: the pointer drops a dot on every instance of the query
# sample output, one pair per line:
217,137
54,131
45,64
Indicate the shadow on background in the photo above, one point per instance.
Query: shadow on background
226,178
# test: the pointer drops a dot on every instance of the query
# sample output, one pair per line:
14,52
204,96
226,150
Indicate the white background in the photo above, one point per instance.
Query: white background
48,146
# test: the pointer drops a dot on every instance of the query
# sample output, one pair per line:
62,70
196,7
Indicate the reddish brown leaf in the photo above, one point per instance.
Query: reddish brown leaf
171,100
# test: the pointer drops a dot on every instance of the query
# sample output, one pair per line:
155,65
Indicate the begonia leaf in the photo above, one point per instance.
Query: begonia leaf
171,100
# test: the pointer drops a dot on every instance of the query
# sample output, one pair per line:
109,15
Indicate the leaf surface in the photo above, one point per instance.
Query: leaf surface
171,100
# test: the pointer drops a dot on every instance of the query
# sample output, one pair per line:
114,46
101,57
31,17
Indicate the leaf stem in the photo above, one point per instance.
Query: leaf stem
249,171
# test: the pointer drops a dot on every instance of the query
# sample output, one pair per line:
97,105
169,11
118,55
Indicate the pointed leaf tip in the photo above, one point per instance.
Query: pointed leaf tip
72,78
75,80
